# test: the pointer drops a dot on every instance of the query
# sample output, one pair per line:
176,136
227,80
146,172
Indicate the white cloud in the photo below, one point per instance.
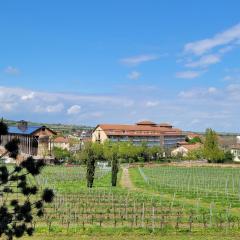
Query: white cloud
205,61
209,105
28,96
12,70
229,36
227,78
233,87
212,90
134,75
188,74
136,60
152,103
198,93
75,109
49,108
233,90
8,106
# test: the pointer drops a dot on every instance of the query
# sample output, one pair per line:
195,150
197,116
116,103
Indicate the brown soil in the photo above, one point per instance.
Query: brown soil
126,180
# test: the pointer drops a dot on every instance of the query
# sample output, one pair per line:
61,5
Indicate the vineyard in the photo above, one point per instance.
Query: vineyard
160,201
210,184
67,179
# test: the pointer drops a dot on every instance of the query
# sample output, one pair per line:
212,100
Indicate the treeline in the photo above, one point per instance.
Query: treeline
127,152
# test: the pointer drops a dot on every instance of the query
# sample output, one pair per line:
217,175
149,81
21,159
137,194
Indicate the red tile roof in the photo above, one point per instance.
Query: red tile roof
61,140
145,129
149,123
236,146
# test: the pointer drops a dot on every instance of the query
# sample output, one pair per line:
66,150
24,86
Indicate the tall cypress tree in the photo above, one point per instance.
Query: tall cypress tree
114,171
90,167
115,167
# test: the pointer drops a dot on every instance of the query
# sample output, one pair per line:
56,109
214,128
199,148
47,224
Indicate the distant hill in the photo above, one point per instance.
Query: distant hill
65,128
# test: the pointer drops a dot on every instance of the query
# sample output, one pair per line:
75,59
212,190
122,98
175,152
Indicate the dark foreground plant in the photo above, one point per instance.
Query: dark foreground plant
20,200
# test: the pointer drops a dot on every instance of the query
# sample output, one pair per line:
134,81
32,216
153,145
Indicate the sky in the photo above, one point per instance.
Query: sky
90,62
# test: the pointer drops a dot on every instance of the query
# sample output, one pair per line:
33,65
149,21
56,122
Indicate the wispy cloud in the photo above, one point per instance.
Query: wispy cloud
134,75
204,53
136,60
207,105
205,61
49,108
197,93
229,36
75,109
152,103
188,74
28,96
11,70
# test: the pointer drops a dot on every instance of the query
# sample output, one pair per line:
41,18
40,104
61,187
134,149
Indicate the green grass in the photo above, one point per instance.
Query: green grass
76,206
136,234
70,179
218,185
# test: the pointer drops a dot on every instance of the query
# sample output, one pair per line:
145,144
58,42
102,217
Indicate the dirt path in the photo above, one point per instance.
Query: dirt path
126,180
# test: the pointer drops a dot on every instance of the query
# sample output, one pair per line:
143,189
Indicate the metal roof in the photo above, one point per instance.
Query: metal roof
29,130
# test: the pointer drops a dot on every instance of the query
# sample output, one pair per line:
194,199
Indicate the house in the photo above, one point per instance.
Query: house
153,134
34,140
235,150
61,142
184,149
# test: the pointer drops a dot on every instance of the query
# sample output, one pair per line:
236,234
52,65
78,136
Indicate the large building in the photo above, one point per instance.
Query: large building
34,140
149,132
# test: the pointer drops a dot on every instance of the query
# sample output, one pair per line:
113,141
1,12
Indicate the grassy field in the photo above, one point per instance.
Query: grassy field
98,234
218,185
162,202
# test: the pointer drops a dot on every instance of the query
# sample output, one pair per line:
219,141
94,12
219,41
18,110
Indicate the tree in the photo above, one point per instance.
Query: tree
60,153
211,150
114,153
155,152
194,140
195,154
111,153
18,207
228,156
90,167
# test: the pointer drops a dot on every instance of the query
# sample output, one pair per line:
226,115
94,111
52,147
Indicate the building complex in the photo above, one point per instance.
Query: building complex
151,133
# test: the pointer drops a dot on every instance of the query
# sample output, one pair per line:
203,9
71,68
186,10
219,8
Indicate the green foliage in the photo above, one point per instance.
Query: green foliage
60,153
194,140
211,149
21,201
195,154
228,156
90,166
115,170
81,157
126,152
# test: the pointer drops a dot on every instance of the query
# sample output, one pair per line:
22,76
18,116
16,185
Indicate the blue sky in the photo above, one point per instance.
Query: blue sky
90,62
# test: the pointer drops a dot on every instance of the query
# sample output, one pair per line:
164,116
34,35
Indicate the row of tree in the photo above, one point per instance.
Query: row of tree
126,152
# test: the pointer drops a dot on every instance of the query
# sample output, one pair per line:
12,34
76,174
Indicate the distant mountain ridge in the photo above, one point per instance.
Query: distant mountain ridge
54,126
